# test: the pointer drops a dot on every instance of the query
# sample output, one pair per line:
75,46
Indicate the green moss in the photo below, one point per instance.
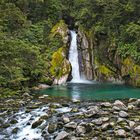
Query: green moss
60,28
131,69
59,64
104,70
127,61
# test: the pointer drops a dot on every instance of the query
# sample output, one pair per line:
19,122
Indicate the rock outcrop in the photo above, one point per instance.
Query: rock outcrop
60,66
99,60
86,55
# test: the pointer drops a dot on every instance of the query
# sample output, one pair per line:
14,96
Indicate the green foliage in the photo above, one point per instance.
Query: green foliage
34,34
129,50
26,42
20,63
131,69
11,18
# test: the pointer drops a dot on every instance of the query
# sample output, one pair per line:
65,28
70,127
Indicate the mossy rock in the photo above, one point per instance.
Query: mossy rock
60,29
104,70
103,73
15,130
37,123
44,117
60,66
5,126
14,121
132,71
32,107
52,127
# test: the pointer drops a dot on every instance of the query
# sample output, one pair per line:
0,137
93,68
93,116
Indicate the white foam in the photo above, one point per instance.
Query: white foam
73,58
25,131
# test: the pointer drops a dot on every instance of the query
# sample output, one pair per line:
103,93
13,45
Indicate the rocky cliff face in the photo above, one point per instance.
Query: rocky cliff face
100,62
86,55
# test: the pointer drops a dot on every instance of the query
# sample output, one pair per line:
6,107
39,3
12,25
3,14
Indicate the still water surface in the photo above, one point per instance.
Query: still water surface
93,91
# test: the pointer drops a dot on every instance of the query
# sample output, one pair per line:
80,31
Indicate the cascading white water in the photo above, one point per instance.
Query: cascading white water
73,58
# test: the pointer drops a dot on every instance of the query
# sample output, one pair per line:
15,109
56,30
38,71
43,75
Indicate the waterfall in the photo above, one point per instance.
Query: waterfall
73,58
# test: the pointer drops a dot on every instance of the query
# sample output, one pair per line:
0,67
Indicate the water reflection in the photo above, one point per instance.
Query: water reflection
76,94
93,91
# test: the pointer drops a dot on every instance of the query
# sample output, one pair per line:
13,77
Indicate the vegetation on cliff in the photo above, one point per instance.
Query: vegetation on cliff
28,35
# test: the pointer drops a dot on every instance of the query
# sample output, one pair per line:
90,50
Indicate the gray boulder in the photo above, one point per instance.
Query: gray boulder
106,104
62,135
80,129
120,105
52,127
92,110
72,125
138,102
137,129
121,133
131,124
105,126
66,119
123,114
98,121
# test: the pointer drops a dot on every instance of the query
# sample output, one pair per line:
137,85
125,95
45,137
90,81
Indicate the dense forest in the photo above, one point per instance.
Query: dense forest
27,40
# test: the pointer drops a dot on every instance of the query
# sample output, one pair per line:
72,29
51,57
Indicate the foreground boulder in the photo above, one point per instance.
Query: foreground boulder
52,127
92,111
62,135
131,124
105,126
72,125
106,104
66,119
120,105
137,129
81,129
121,133
37,123
123,114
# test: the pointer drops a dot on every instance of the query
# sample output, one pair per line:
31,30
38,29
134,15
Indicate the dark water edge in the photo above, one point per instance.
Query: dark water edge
97,91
